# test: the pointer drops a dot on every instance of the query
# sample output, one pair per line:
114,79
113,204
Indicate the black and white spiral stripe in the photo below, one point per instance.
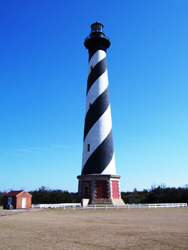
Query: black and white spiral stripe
98,152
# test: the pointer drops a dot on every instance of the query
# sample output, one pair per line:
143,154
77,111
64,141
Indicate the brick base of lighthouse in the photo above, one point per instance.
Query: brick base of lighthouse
100,189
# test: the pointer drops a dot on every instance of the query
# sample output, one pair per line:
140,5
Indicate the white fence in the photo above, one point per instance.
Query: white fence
126,206
59,205
167,205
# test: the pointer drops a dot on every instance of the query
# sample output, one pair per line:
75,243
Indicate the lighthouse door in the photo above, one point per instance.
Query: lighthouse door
86,190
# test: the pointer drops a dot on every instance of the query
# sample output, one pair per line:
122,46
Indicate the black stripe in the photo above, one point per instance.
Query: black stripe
96,43
92,52
100,158
96,72
96,110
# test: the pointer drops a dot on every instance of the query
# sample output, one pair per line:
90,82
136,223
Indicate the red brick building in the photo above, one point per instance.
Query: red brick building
17,199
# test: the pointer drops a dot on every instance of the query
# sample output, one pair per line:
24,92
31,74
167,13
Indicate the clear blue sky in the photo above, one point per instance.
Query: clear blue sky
43,78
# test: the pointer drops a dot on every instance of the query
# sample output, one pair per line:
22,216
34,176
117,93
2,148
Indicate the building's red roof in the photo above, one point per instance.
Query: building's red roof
13,193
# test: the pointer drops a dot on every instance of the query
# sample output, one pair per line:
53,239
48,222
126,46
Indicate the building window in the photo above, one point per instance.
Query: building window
91,68
9,201
88,147
90,105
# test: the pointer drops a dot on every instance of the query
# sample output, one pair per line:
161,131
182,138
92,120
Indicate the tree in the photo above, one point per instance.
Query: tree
47,196
1,198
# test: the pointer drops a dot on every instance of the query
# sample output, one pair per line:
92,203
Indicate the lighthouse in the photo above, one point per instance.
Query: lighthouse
98,182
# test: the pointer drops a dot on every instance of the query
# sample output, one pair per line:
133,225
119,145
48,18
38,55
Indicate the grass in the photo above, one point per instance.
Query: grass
162,228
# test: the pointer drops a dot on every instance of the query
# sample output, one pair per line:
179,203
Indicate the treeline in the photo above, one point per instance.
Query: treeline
160,194
1,198
48,196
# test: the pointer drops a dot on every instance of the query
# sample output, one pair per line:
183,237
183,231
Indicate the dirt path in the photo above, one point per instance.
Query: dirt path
14,211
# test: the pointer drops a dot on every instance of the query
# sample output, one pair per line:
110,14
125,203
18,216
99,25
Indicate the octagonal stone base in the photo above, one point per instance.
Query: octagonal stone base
100,189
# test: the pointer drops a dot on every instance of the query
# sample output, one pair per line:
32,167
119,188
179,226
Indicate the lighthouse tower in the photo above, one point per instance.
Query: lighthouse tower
98,181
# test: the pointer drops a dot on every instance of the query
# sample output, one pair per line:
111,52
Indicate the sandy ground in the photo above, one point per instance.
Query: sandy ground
161,228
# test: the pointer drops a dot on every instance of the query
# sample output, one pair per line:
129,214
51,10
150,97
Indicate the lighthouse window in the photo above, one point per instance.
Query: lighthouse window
91,68
88,147
90,105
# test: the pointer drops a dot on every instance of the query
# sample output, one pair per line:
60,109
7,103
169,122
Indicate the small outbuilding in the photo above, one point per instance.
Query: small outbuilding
17,199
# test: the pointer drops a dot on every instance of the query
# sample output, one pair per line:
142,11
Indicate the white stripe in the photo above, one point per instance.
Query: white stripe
96,89
97,134
97,57
111,168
